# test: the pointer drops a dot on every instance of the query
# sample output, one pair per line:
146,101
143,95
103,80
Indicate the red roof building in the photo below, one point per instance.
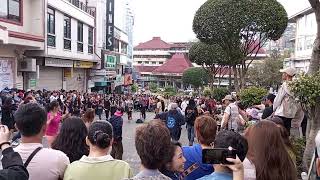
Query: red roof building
174,66
155,43
145,69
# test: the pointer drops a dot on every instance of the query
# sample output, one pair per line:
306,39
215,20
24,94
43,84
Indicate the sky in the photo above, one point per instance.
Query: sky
172,19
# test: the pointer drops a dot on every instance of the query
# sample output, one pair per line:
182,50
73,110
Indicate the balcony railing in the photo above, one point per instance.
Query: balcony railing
82,5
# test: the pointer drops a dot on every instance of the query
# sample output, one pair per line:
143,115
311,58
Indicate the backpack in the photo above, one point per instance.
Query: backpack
171,122
290,106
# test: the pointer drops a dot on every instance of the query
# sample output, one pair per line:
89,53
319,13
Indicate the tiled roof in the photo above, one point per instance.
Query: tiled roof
144,69
155,43
177,64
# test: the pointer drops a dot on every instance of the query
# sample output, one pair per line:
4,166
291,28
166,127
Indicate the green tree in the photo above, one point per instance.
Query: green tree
252,96
240,28
134,87
307,89
210,57
266,74
169,91
195,76
153,87
219,93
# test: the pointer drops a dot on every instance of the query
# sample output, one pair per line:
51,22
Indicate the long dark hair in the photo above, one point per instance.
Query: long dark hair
71,139
268,152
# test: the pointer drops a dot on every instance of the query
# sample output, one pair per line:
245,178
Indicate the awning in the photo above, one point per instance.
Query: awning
102,84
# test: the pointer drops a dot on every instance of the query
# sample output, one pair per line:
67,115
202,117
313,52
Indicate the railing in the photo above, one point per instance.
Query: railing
83,6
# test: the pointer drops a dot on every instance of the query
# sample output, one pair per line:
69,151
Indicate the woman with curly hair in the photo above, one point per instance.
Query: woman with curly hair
72,139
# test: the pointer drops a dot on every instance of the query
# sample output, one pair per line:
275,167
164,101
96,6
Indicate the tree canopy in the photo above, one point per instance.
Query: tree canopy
207,55
195,76
240,27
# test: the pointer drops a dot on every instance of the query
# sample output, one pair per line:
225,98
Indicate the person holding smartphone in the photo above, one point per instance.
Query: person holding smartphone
12,164
233,170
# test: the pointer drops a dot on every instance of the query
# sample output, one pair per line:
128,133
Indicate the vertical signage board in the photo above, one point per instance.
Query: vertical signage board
110,25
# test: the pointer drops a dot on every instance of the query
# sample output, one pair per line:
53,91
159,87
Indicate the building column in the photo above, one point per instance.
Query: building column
158,83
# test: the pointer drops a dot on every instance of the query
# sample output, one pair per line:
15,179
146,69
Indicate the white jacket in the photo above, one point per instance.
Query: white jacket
278,107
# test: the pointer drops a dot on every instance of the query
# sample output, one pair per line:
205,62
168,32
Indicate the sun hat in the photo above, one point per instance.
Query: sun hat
227,97
290,71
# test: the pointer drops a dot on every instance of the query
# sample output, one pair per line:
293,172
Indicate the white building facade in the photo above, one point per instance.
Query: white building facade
21,29
69,47
306,28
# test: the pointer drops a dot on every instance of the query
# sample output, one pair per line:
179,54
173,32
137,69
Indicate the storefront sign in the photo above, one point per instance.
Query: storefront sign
6,73
119,80
32,83
58,62
97,72
82,64
68,72
110,25
110,61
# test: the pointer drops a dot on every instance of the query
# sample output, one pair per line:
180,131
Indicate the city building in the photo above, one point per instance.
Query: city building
69,47
160,62
115,60
21,29
163,63
306,28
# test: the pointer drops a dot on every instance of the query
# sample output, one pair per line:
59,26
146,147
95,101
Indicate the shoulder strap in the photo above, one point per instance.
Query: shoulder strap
31,156
188,171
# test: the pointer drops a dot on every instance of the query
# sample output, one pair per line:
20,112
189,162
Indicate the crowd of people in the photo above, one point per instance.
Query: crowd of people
82,148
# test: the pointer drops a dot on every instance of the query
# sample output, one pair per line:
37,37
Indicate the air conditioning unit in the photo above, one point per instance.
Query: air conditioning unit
28,65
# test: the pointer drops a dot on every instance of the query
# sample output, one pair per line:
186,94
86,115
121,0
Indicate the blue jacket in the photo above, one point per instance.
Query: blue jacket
193,154
116,122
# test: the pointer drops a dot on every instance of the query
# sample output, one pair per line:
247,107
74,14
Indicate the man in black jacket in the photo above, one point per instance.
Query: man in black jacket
13,168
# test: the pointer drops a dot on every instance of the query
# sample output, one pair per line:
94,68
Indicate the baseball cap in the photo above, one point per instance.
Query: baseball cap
290,71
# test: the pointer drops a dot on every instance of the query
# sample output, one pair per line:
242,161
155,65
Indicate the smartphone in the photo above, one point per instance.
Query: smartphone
218,155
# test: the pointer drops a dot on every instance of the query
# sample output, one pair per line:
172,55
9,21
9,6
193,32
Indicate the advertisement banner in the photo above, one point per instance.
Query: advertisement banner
32,83
110,62
128,79
6,73
119,80
110,25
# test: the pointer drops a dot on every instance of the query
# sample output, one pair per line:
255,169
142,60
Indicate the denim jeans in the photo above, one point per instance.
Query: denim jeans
190,130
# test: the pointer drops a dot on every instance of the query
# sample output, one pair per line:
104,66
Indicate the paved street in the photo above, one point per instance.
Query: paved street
130,155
